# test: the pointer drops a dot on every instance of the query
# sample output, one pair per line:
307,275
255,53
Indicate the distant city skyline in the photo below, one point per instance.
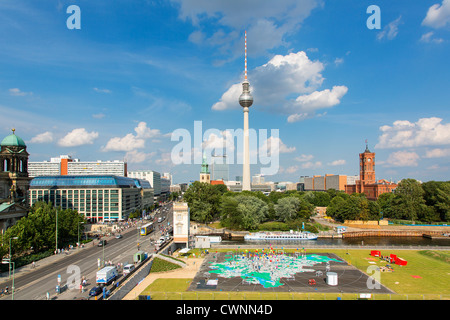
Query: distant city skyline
136,71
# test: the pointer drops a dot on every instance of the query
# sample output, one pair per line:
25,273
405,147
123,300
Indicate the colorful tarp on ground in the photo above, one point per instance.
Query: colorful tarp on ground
266,268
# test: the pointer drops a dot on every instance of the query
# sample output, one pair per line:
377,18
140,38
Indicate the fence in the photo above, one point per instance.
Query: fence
286,296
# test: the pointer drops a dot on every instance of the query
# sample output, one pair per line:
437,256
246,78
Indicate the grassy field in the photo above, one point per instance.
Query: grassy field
426,276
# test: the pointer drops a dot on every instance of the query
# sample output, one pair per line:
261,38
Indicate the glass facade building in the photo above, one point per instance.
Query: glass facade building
97,197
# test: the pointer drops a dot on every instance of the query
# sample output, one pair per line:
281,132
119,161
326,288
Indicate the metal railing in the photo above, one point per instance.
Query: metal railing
285,296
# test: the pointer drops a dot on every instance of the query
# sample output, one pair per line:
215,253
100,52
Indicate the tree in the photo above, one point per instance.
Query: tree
38,229
206,199
335,208
287,208
230,216
385,204
437,196
443,202
290,208
253,211
318,198
408,200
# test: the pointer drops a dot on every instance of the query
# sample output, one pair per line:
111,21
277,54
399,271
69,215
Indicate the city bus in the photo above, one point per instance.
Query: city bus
146,229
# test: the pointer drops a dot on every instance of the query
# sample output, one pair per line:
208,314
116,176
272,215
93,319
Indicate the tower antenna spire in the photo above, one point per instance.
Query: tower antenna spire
245,55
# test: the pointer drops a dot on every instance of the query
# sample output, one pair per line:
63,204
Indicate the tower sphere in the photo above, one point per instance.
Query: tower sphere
245,99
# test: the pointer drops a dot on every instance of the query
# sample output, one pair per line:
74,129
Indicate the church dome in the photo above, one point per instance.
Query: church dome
13,140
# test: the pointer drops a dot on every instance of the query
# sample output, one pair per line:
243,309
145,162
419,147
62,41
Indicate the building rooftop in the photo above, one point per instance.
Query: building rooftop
13,140
89,180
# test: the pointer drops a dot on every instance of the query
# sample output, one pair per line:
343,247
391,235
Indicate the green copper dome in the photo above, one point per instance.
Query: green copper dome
13,140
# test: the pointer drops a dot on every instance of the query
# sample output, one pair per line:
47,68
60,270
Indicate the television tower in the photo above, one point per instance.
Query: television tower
246,100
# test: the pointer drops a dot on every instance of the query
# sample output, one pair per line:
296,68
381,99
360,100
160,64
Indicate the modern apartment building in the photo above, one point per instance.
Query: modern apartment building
153,177
322,183
65,165
97,197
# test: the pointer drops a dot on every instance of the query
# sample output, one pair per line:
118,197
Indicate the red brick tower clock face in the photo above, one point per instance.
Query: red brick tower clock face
367,166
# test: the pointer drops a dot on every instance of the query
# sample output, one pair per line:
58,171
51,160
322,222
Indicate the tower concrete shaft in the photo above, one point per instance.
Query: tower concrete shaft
246,100
246,163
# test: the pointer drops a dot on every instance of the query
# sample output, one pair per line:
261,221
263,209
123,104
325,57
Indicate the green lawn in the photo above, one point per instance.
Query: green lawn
426,276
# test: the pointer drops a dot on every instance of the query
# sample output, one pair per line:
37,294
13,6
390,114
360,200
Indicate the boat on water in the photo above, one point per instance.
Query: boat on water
304,235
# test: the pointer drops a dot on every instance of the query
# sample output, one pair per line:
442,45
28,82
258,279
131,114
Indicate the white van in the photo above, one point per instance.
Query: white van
128,268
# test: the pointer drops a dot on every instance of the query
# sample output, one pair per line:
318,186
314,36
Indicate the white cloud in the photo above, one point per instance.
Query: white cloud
437,153
130,141
304,158
428,38
126,143
438,15
44,137
18,93
390,31
102,90
401,159
143,132
337,163
273,146
98,115
78,137
308,104
288,170
135,156
424,132
338,61
165,160
275,83
267,24
223,141
311,165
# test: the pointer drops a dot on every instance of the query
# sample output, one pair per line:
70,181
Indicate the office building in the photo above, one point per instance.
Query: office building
168,176
258,179
65,165
153,177
322,183
219,168
165,186
97,197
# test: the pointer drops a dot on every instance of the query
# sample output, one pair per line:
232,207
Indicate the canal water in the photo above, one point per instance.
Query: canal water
365,241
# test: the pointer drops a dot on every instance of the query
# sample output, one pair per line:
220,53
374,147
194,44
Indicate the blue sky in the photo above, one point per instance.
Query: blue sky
138,70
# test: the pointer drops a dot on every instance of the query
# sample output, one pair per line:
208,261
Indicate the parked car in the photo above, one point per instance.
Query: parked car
128,268
161,240
102,243
119,236
95,291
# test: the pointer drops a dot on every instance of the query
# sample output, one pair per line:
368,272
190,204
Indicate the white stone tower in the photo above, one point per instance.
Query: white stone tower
246,100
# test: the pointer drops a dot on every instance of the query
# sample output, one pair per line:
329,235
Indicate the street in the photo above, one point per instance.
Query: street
35,283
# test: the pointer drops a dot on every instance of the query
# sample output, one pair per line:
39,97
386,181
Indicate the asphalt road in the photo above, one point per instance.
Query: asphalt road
35,284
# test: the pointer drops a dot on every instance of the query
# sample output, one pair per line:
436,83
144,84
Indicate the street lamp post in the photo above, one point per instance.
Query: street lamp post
10,256
79,222
8,261
56,235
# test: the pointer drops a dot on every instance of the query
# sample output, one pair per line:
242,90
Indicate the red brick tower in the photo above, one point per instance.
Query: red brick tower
366,168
